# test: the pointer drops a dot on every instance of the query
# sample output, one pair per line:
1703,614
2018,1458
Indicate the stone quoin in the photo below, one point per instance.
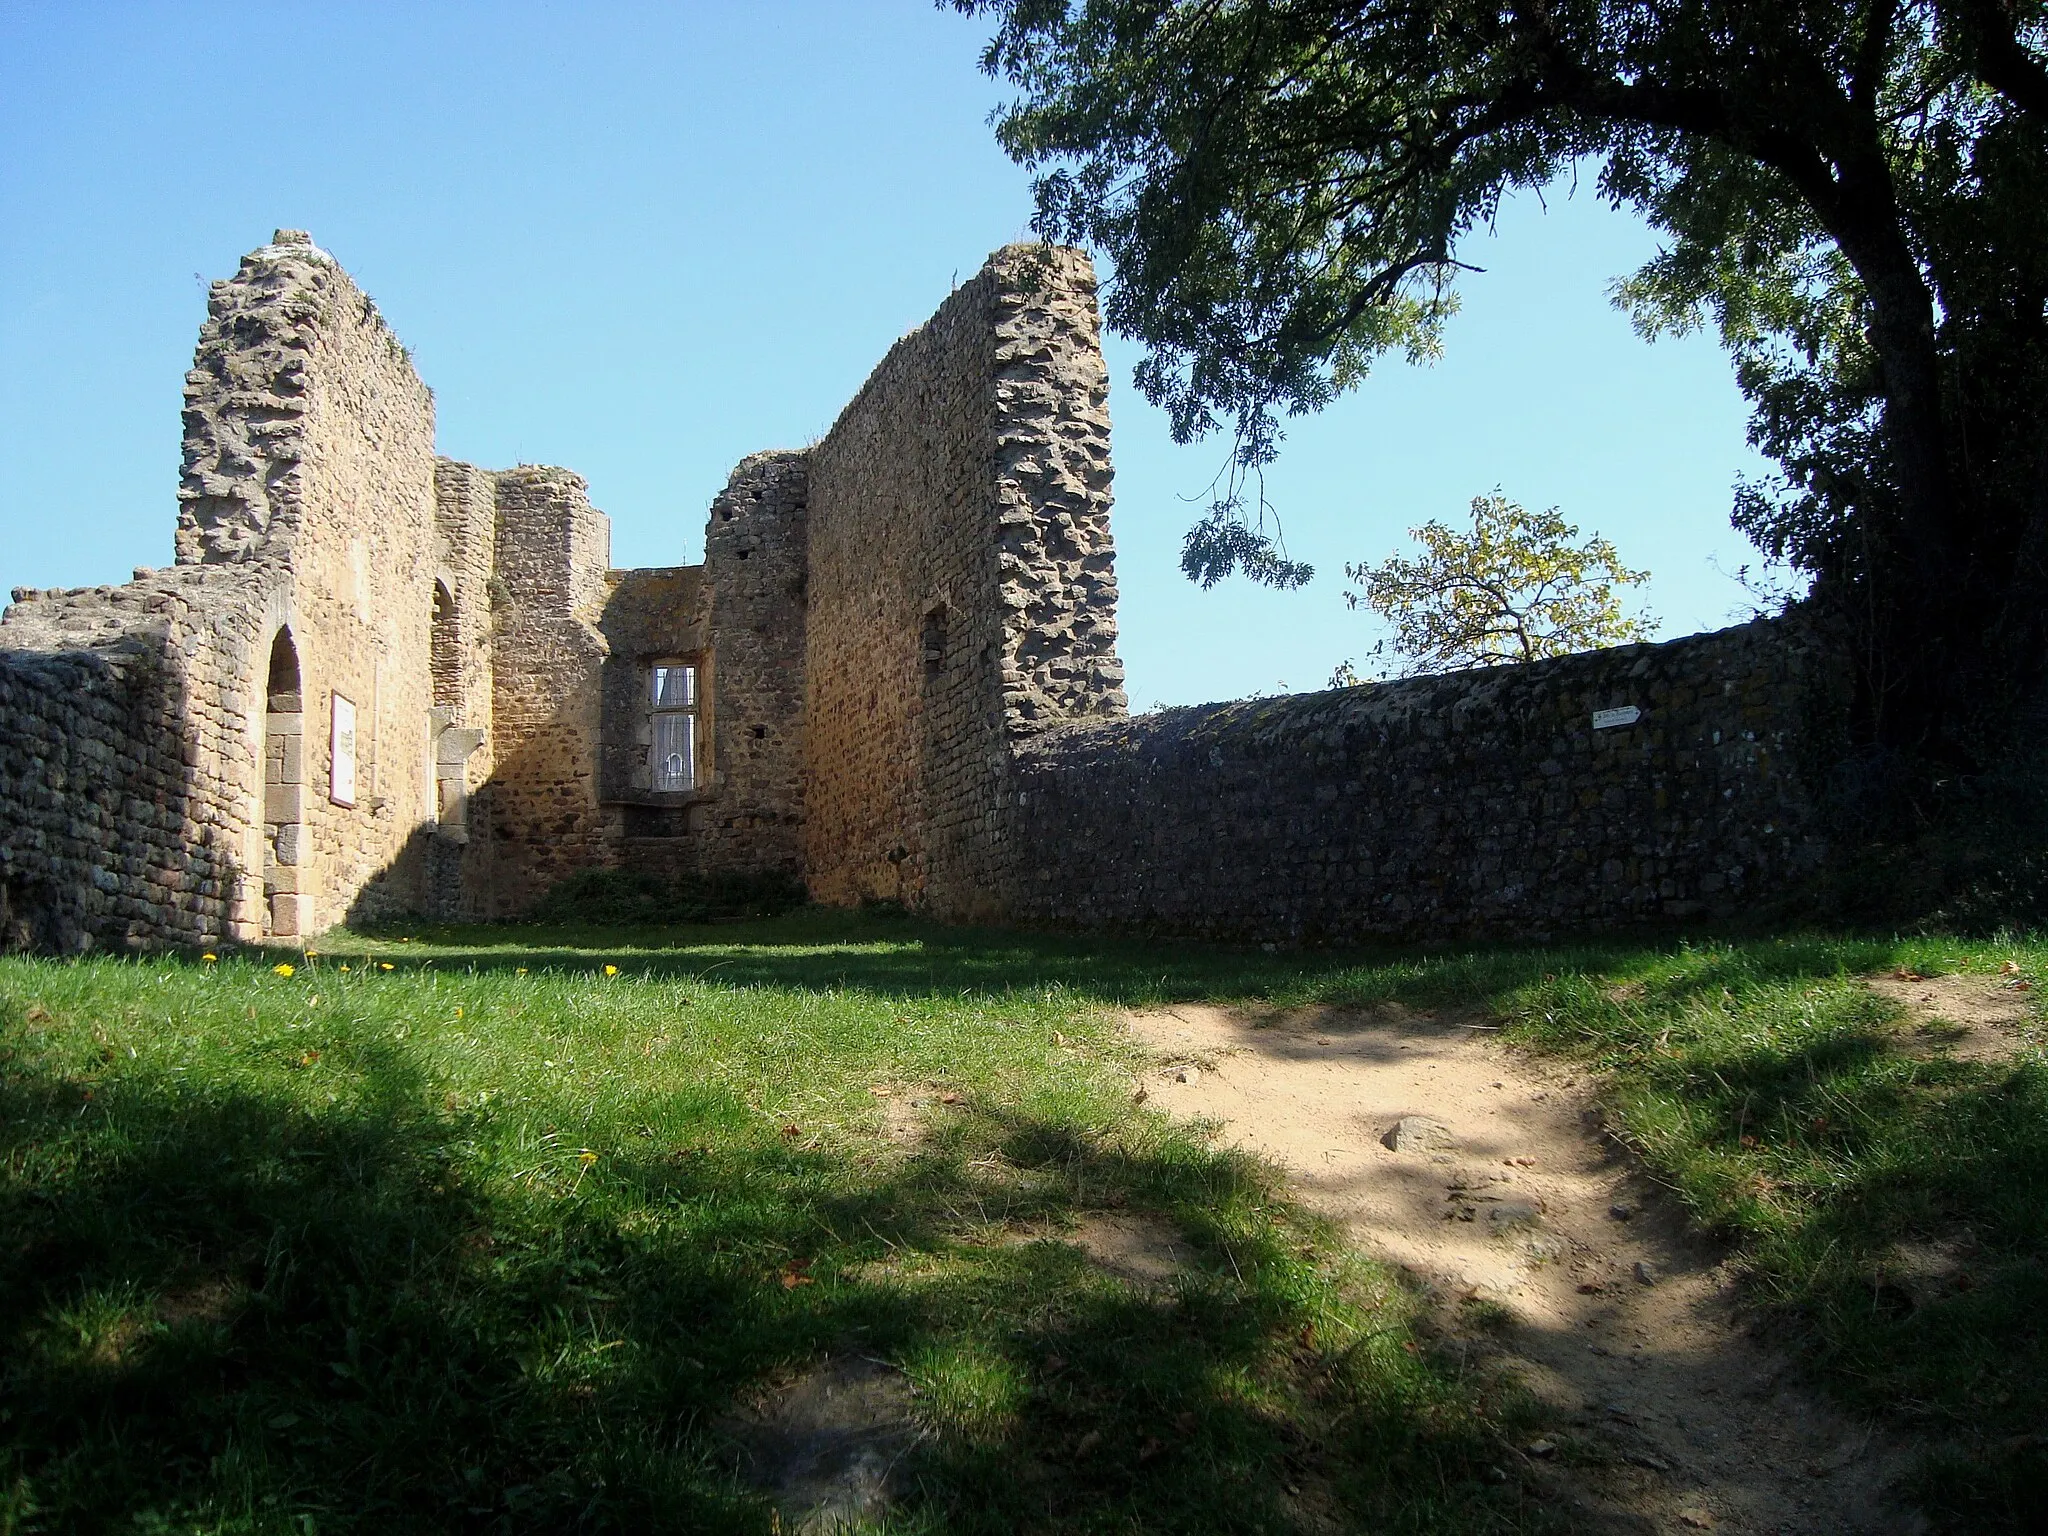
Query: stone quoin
379,682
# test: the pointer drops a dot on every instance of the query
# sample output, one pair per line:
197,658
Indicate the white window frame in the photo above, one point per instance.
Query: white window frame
674,707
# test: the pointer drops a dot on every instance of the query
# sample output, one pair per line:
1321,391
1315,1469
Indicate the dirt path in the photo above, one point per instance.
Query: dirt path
1672,1417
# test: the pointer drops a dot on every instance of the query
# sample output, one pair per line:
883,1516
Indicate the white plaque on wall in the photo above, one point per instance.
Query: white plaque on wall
1608,719
341,779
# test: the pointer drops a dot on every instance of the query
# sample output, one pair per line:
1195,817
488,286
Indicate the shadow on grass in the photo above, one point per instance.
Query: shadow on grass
230,1311
1891,1203
821,948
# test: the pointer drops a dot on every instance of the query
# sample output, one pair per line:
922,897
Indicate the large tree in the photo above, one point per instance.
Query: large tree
1852,190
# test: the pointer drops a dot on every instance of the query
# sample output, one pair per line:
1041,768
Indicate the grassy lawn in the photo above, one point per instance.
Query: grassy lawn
476,1234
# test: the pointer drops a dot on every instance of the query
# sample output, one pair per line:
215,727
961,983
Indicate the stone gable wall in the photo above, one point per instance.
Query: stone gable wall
961,590
363,558
247,398
306,503
1476,803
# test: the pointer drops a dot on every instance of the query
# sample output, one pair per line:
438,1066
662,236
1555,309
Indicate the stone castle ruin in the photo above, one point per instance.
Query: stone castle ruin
379,682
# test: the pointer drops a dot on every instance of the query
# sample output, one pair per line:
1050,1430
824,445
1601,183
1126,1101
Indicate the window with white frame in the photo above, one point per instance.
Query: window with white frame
672,708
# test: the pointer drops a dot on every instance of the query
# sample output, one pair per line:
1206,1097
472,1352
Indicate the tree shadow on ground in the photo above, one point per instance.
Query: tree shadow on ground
903,956
225,1309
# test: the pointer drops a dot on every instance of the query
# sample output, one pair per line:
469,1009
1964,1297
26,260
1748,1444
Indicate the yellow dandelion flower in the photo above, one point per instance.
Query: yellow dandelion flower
344,967
458,1013
611,970
586,1158
520,972
383,965
209,959
281,970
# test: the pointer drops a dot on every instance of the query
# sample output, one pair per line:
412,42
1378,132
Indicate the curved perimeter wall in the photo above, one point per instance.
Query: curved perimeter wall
1475,803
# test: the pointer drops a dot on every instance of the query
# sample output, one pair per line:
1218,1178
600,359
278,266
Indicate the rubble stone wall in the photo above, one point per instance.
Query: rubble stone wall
553,561
1476,803
650,616
756,552
306,503
909,686
129,769
961,591
363,557
460,851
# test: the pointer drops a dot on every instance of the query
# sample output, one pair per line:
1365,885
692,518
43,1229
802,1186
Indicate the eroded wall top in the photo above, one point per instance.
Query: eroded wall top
253,390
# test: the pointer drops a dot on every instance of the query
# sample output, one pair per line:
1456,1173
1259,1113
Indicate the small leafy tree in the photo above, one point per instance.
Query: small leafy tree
1517,587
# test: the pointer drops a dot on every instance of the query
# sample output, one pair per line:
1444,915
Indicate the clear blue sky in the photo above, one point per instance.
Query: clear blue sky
644,241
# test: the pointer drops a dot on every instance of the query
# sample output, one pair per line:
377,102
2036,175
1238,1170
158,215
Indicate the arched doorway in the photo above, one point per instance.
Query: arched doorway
284,782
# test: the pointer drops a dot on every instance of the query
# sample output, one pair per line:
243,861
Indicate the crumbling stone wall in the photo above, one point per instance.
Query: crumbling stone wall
961,591
1477,803
460,850
126,762
909,686
650,615
363,555
553,558
305,504
756,560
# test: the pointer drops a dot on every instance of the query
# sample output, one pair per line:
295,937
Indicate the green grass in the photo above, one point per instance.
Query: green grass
492,1240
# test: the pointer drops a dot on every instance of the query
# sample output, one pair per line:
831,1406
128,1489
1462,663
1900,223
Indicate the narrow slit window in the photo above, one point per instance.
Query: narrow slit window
672,702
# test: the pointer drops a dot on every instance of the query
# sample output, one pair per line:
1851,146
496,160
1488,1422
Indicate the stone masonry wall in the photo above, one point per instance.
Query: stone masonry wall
128,762
756,551
460,854
961,591
553,558
305,504
650,615
1476,803
247,398
363,558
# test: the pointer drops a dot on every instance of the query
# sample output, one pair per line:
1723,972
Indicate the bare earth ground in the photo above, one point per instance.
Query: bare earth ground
1618,1317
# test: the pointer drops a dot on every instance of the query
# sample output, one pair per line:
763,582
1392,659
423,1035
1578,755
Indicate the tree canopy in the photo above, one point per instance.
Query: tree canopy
1850,190
1516,587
